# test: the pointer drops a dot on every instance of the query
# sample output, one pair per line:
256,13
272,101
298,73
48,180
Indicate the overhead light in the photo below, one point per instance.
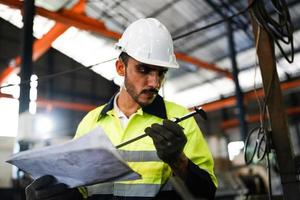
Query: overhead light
14,16
41,25
36,127
44,124
52,5
235,148
9,117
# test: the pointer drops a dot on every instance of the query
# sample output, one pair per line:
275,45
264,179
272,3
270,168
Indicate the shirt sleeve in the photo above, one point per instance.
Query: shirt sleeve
199,182
197,150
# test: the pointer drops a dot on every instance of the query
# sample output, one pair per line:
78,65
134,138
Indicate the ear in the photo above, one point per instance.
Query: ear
120,68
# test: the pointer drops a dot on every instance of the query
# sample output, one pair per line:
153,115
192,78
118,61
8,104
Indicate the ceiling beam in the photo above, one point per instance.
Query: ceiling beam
202,64
219,36
212,106
231,101
295,21
39,48
162,9
241,21
7,72
71,18
50,104
3,95
255,118
104,13
42,45
208,107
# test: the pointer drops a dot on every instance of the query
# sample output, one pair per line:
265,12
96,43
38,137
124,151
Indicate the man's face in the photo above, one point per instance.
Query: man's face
143,81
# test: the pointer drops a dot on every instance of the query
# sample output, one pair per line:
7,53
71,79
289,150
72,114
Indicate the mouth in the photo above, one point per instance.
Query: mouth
150,92
147,96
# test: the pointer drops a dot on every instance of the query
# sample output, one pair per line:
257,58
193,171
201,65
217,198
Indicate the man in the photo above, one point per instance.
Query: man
172,149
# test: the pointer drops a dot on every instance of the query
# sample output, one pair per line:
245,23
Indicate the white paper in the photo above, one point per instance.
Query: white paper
87,160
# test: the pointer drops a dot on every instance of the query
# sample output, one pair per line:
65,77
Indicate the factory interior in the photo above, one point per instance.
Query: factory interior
239,61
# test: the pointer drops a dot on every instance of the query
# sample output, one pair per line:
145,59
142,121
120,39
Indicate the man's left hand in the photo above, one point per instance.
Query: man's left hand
169,140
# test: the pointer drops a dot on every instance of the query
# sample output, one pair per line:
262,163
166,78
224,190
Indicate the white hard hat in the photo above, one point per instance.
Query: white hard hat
148,41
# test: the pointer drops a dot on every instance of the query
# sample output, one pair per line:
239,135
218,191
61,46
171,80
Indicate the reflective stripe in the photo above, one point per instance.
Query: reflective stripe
104,188
139,156
118,189
139,190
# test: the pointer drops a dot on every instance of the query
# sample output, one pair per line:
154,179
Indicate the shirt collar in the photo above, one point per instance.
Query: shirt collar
116,108
156,108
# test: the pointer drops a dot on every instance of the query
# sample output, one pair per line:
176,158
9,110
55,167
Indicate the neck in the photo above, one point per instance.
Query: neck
126,103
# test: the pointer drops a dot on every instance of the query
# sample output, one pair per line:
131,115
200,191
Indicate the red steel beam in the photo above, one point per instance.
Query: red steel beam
12,68
231,101
64,105
254,118
7,72
3,95
86,23
69,18
208,107
202,64
42,45
212,106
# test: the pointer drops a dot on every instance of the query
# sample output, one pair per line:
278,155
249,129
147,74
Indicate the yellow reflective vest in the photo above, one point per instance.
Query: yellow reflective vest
141,155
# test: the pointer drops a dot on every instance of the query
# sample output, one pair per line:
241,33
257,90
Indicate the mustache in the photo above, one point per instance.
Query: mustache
152,90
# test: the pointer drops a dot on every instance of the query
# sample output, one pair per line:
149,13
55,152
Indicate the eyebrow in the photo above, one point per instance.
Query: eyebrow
152,67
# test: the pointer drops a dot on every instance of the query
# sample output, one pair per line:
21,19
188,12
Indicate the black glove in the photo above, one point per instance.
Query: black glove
169,140
45,188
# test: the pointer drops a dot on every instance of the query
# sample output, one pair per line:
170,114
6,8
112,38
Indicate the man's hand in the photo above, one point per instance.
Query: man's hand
169,140
46,189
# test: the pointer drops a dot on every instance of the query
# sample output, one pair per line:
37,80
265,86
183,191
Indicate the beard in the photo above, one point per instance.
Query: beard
144,97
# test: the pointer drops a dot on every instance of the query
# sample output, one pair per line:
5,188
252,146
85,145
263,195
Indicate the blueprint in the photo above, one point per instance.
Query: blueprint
87,160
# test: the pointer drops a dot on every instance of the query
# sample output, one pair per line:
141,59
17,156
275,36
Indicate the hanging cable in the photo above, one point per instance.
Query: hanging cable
279,26
258,141
214,23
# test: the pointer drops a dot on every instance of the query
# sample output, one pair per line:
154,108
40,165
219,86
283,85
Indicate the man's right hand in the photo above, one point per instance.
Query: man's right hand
45,188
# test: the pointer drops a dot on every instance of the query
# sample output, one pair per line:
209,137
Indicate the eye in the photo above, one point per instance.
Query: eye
162,73
143,69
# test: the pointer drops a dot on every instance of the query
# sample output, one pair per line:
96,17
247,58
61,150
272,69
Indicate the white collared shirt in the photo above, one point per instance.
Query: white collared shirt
123,118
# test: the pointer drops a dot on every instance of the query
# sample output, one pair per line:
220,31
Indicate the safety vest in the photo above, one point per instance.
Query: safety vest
141,155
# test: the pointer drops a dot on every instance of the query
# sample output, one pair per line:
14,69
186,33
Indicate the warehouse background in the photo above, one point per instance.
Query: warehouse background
71,35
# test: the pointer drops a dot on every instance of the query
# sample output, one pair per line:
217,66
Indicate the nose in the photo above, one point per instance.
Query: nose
154,80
